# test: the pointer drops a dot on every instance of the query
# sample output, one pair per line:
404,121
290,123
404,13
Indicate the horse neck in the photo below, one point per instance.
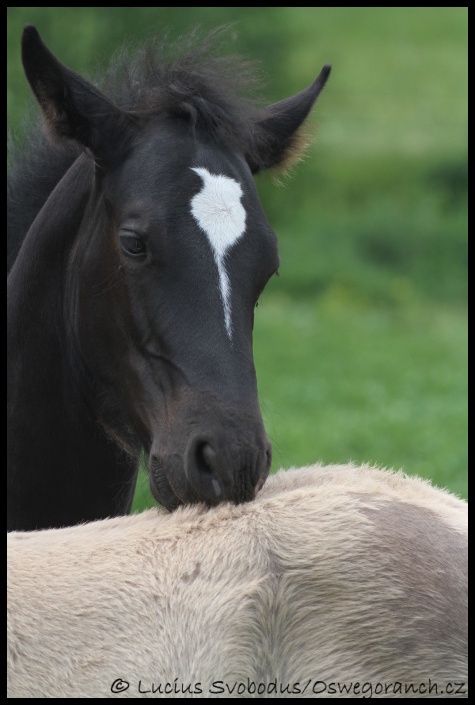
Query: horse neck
48,234
50,424
33,171
34,287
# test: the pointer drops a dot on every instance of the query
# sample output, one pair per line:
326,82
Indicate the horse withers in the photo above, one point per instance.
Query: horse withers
138,249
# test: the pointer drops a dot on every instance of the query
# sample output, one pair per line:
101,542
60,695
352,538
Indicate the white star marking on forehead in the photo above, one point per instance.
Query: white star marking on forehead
218,211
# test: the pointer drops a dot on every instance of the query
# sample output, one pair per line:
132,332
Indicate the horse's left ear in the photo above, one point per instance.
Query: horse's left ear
72,107
278,129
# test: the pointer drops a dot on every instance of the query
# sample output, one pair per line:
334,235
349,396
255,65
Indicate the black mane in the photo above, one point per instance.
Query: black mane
192,79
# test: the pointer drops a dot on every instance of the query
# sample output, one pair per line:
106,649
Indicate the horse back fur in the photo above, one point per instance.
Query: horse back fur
335,574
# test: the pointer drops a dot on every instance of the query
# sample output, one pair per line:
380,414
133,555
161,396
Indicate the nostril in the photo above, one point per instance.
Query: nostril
202,469
205,457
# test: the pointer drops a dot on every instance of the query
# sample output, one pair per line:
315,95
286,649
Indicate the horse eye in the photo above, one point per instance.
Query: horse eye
133,246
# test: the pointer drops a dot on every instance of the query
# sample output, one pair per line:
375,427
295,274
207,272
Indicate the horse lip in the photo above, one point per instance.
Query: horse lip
160,487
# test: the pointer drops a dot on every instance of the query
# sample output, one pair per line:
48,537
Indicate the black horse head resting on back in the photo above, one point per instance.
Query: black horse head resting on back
139,249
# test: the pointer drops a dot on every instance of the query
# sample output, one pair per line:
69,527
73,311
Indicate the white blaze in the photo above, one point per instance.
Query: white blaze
218,211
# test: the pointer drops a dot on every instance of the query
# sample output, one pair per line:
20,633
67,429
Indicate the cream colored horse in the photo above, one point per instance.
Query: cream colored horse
337,581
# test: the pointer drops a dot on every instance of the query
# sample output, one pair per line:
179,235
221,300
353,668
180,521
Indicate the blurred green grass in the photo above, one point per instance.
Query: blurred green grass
361,342
364,384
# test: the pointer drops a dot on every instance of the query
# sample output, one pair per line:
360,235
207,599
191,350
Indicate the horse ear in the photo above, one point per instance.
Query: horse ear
278,129
72,107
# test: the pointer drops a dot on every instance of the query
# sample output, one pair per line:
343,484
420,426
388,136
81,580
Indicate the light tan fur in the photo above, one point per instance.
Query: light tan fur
334,577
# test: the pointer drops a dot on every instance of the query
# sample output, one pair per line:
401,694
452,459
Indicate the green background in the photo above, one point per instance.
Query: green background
361,342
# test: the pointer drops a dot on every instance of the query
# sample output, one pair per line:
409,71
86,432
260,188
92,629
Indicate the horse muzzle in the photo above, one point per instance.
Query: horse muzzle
217,466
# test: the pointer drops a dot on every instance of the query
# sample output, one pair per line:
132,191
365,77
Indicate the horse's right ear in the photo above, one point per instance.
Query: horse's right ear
72,107
279,127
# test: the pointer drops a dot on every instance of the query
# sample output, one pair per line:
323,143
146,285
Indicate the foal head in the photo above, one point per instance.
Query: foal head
170,258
